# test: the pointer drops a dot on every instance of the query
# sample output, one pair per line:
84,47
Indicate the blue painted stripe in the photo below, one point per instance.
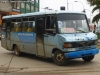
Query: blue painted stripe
80,54
24,36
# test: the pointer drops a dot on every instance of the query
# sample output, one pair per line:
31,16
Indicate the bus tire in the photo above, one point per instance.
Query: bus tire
17,51
59,58
88,58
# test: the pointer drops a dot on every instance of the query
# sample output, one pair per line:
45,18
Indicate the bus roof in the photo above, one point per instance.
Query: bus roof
40,13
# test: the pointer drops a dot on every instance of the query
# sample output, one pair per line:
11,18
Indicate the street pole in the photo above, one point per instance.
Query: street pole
81,3
67,4
71,4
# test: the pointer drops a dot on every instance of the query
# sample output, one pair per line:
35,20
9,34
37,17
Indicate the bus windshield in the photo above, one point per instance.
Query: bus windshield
72,23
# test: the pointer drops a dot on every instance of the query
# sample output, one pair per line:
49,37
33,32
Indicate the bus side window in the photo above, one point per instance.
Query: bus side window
25,26
31,24
47,22
13,29
52,22
4,27
18,27
50,25
13,26
31,27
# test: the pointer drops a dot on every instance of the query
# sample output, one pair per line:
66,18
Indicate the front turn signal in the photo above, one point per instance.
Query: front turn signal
67,45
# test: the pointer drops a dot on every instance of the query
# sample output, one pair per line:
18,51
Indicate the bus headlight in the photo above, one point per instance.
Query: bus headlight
71,49
67,45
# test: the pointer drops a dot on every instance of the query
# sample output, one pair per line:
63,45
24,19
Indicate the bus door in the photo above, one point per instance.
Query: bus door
39,35
8,23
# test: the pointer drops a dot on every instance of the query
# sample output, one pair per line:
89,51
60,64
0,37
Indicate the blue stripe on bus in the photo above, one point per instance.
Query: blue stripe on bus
24,37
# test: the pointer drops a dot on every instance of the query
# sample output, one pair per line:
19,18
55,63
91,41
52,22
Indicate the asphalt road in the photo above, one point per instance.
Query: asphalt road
32,65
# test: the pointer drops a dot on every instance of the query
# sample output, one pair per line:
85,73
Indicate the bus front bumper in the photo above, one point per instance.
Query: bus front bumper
80,54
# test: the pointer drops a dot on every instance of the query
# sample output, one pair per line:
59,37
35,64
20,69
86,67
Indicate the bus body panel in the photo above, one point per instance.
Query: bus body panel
9,44
23,37
3,40
29,48
20,46
50,39
48,50
26,41
50,43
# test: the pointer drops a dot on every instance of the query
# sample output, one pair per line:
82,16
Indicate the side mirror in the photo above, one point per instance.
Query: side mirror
94,26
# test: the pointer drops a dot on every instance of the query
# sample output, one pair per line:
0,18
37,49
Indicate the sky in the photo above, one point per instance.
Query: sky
72,6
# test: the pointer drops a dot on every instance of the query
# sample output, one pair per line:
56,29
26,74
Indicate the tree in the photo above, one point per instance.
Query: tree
90,1
96,4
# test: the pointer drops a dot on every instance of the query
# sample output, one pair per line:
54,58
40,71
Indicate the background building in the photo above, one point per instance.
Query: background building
5,9
30,6
25,6
13,7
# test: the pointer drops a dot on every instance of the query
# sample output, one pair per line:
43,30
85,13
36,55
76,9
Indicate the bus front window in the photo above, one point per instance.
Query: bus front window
72,23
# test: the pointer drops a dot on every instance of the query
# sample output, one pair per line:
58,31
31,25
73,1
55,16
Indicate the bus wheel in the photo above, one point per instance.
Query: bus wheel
59,58
88,58
17,51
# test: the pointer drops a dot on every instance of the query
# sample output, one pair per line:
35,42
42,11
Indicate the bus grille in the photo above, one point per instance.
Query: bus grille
83,44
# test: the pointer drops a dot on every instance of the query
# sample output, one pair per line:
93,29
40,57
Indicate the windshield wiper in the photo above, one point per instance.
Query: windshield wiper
81,30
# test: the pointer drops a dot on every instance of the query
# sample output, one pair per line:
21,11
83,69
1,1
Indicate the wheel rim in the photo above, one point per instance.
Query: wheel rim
60,58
